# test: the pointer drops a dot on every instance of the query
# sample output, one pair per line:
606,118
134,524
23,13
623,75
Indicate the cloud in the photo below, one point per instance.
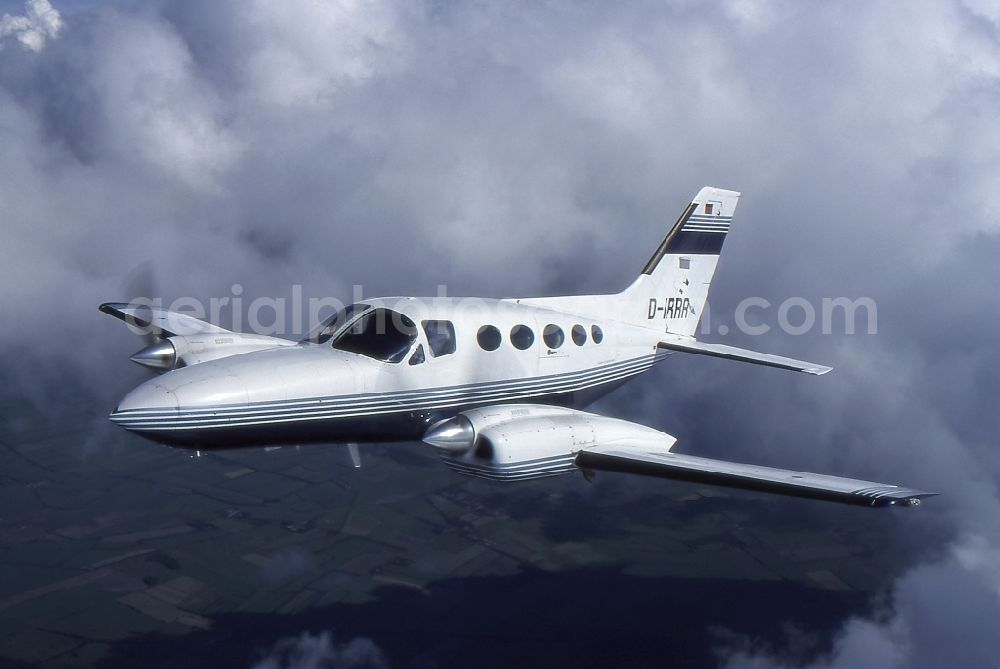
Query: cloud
543,133
943,613
289,563
319,651
39,23
518,148
152,108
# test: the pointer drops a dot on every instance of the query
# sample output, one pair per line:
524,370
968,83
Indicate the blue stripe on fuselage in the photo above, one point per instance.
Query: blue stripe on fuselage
225,418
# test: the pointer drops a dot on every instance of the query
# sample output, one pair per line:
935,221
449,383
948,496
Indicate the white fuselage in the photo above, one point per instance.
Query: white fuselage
318,392
495,386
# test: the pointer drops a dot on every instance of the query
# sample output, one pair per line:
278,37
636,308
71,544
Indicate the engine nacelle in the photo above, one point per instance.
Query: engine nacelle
521,441
187,350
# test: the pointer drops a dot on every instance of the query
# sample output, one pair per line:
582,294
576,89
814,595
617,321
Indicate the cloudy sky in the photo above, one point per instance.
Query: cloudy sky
514,148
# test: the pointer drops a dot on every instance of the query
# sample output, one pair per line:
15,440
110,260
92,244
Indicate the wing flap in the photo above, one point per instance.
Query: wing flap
742,354
748,477
158,321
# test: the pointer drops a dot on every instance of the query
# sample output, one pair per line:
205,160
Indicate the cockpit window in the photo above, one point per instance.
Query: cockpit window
326,330
418,355
380,333
440,337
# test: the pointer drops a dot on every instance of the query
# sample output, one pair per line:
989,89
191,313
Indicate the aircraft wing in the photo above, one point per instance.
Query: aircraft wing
522,441
748,477
687,345
161,322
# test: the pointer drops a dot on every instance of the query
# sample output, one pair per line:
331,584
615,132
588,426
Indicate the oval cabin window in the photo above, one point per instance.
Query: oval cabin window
489,338
553,336
522,337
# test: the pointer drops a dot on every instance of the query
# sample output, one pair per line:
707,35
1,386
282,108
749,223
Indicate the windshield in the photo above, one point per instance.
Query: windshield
380,333
325,331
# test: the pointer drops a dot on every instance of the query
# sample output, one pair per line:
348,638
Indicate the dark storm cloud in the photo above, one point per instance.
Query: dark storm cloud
514,147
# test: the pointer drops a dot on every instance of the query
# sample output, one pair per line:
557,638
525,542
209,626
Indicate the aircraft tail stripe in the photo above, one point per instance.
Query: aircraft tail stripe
712,219
697,242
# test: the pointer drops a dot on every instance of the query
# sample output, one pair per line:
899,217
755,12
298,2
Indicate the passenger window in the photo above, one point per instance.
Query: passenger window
579,335
553,336
440,337
596,334
418,355
489,338
522,337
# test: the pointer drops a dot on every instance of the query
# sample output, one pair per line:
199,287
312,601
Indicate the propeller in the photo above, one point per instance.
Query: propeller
158,354
140,286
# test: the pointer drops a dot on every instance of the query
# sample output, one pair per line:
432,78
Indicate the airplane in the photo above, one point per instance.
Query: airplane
497,387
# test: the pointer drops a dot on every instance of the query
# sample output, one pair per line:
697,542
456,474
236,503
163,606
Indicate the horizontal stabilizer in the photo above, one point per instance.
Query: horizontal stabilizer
158,321
742,354
748,477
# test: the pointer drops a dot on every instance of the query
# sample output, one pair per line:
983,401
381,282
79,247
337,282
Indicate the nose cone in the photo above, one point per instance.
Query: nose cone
167,402
150,396
242,399
149,402
207,387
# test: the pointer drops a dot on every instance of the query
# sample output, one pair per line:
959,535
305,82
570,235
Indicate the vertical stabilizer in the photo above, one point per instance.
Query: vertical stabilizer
672,290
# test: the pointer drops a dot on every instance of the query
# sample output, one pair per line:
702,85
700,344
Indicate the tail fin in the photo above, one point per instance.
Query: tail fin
673,287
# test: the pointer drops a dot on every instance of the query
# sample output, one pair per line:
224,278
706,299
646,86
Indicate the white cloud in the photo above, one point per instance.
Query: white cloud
978,556
756,15
153,108
319,651
301,54
39,23
944,613
987,9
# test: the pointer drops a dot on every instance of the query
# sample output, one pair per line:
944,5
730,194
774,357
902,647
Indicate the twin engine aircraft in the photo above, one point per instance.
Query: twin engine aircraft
497,387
